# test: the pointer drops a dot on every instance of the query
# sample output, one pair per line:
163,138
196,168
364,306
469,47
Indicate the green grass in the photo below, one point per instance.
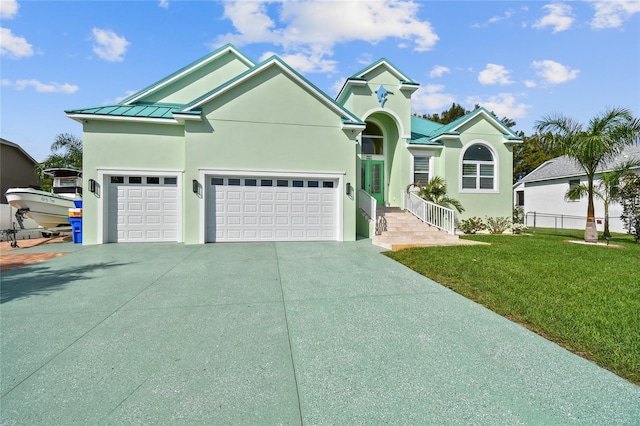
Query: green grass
585,298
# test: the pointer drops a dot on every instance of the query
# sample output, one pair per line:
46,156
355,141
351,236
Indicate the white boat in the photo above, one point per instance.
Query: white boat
49,209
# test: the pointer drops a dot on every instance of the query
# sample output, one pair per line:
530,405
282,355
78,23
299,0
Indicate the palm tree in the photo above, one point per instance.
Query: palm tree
435,191
590,146
66,152
606,189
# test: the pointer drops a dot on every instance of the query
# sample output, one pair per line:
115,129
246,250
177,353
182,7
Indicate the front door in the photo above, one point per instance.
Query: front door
372,175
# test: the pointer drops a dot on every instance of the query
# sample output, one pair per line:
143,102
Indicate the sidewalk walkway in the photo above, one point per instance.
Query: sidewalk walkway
275,333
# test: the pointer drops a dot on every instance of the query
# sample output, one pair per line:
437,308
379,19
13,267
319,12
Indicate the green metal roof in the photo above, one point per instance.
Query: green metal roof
141,110
427,132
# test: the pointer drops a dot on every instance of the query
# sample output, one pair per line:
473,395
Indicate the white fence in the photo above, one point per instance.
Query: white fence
432,214
564,221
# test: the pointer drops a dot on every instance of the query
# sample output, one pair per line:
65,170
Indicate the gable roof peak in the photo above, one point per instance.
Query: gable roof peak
383,62
206,59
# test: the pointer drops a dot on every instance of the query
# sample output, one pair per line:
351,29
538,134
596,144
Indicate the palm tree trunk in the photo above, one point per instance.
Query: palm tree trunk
606,233
590,230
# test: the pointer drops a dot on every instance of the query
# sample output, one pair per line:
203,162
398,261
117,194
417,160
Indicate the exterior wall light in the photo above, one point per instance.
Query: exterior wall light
349,188
92,186
196,186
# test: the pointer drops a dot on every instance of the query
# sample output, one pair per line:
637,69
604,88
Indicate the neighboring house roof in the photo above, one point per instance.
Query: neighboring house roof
427,132
19,148
564,167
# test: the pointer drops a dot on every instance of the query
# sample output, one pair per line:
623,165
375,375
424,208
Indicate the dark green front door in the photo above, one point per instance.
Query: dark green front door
372,177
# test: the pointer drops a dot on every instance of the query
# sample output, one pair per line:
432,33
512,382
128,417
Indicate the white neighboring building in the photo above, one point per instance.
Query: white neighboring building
541,194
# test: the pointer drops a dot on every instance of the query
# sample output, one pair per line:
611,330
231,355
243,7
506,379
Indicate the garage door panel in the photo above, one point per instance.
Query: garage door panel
140,212
270,213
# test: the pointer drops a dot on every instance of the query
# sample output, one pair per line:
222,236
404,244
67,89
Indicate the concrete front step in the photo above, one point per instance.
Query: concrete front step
403,230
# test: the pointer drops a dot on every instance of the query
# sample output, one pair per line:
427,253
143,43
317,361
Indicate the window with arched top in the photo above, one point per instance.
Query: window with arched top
478,168
372,140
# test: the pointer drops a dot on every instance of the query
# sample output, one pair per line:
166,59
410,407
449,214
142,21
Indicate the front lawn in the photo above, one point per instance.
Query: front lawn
585,298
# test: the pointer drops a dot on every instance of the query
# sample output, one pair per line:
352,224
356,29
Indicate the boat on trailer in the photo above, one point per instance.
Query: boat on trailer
48,209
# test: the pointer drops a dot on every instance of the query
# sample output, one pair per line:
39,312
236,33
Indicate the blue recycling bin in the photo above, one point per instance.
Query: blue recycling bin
76,229
78,203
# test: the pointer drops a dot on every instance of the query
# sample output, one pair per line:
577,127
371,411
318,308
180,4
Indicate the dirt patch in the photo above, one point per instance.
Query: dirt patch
593,244
10,261
13,258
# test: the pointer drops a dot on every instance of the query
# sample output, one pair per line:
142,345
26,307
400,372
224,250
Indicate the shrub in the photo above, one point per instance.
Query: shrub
518,215
517,228
472,225
497,225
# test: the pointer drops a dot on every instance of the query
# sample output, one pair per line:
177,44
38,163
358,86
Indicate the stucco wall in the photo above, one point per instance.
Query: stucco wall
480,204
244,131
201,81
122,146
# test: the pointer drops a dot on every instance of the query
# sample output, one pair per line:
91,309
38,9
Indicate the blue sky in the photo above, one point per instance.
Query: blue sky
520,59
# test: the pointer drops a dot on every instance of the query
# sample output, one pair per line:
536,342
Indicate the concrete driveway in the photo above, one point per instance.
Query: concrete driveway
275,333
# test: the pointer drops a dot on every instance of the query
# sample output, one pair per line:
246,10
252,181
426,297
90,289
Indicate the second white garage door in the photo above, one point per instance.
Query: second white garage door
271,209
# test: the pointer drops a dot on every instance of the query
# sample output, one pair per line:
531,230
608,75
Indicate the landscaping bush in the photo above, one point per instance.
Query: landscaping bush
472,225
497,225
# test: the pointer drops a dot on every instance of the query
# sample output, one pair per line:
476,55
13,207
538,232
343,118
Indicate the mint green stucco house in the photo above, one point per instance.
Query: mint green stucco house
229,150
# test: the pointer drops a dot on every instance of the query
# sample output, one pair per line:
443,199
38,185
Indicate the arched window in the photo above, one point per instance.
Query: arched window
478,168
372,140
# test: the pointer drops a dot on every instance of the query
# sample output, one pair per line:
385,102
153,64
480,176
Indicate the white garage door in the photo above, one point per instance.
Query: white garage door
272,209
143,209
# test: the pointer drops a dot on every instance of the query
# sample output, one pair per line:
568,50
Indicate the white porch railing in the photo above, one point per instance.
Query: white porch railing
430,213
368,204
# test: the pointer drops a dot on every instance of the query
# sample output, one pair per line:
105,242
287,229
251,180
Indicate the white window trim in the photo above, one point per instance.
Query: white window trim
412,165
496,169
205,174
104,179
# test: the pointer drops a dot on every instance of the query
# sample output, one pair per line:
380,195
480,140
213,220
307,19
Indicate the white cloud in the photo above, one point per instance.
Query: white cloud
495,19
554,72
560,17
508,14
612,14
530,83
502,104
439,71
12,45
430,98
337,86
120,98
164,4
41,87
108,45
314,27
8,9
306,61
494,74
